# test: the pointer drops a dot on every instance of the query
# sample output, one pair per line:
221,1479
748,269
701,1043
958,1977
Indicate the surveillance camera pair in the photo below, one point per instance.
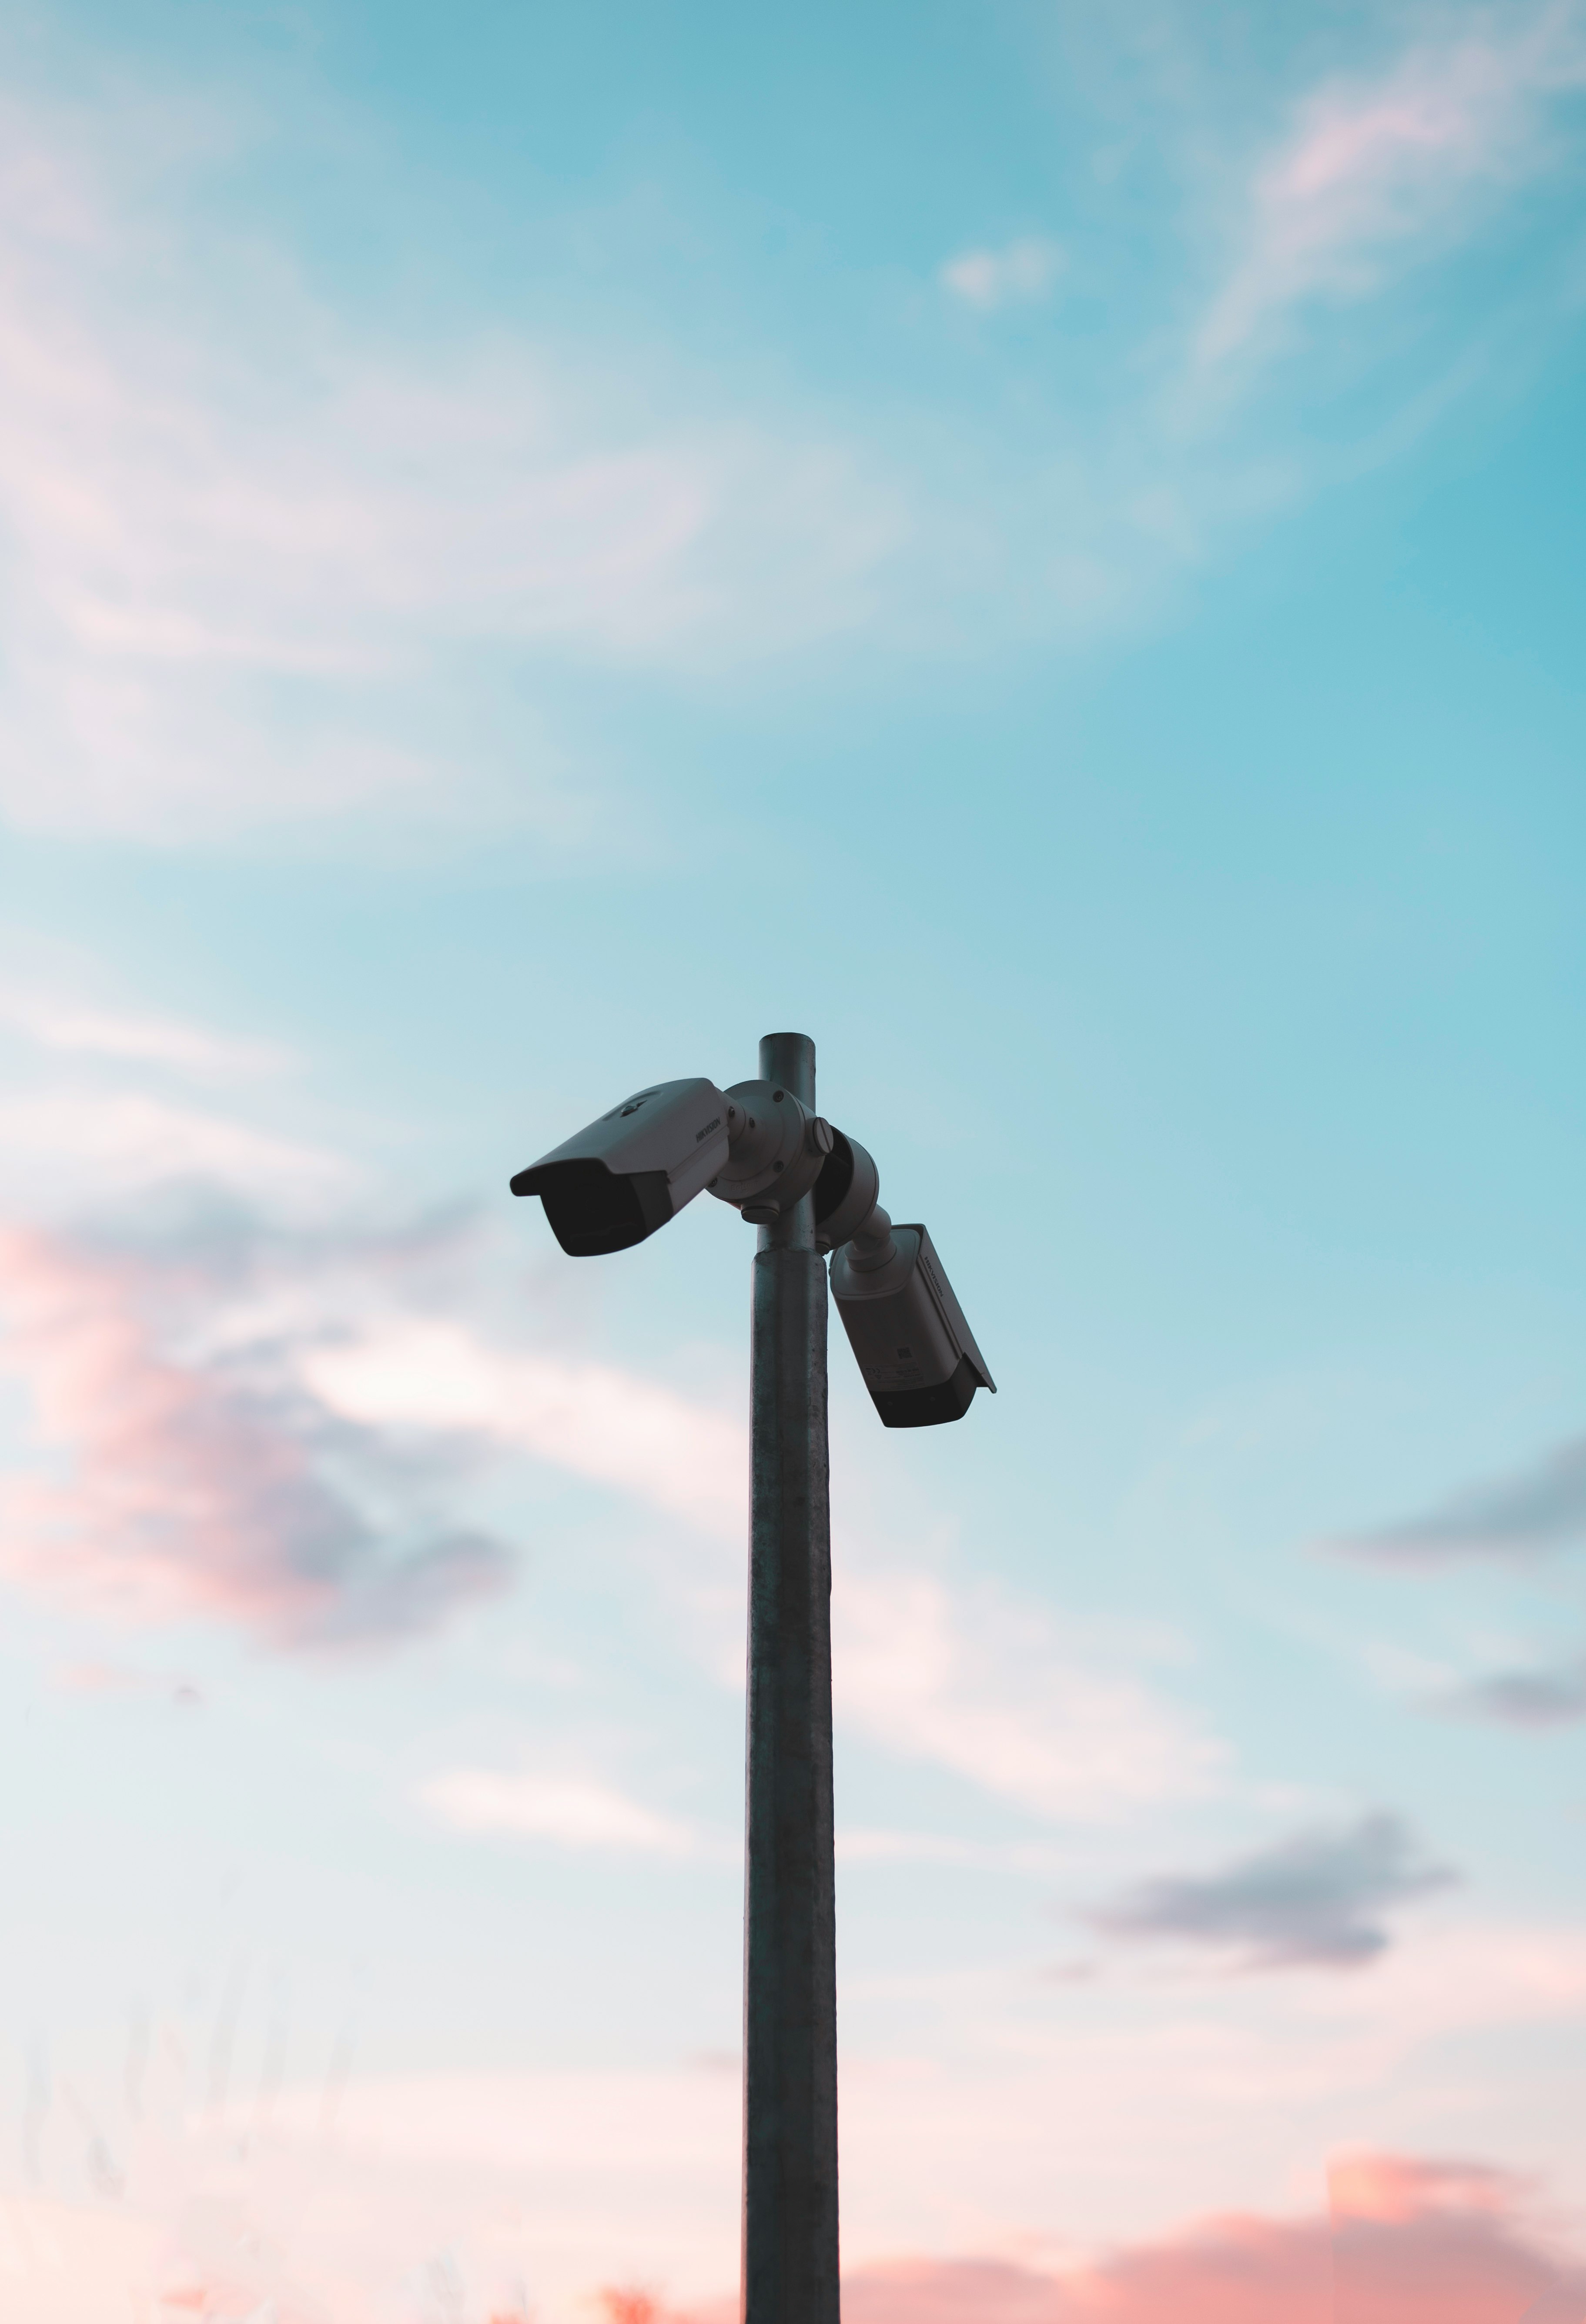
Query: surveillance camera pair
756,1146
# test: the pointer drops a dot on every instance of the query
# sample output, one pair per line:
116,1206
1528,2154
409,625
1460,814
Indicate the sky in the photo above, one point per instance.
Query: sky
1042,545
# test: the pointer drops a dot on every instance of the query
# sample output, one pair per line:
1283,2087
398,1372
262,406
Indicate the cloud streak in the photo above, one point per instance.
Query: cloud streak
570,1812
1513,1519
71,1027
1377,173
596,1421
990,1687
83,1140
1319,1900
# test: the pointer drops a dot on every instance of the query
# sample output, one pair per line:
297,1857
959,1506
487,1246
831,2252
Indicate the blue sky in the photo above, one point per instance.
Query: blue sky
1044,550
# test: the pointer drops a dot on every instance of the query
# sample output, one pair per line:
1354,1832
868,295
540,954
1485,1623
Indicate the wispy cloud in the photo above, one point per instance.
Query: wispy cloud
260,562
1376,173
196,1487
71,1027
274,1424
592,1419
570,1811
108,1103
80,1143
1318,1901
1017,274
983,1682
1512,1519
236,531
991,1686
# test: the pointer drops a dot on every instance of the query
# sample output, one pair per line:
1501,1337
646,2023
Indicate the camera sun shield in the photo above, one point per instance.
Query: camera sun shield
616,1182
908,1332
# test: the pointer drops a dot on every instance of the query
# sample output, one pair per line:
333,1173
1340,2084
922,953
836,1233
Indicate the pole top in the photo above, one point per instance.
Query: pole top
788,1059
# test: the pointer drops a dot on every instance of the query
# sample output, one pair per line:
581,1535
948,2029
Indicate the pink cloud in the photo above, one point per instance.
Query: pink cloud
1379,171
248,1425
1407,2243
193,1490
518,2195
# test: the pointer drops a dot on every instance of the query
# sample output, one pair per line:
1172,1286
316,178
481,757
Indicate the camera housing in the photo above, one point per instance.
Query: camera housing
779,1150
913,1346
757,1147
616,1182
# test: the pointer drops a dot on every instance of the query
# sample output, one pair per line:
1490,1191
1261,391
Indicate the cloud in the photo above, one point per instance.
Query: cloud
101,1678
248,552
91,1141
197,1487
974,1680
275,1424
104,1112
75,1028
245,1410
1377,173
991,1686
573,1813
1316,1901
957,2174
1453,1980
978,1680
880,1846
1513,1518
592,1419
1418,2242
1545,1695
265,566
1020,273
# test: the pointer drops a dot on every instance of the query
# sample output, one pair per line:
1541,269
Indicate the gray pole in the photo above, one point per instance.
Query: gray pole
789,1918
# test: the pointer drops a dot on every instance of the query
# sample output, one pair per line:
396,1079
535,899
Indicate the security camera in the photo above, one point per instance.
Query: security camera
756,1146
916,1351
633,1169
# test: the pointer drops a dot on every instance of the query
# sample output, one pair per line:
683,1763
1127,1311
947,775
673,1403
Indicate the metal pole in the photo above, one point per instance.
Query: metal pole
789,1920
